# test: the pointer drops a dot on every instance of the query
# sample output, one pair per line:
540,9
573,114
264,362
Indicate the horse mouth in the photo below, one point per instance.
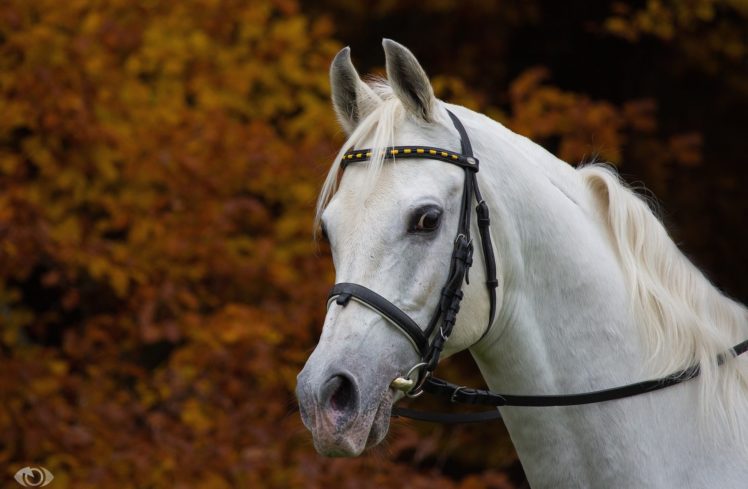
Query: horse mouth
381,423
367,430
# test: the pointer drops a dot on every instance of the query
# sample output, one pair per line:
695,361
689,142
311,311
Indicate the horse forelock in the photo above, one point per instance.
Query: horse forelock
377,130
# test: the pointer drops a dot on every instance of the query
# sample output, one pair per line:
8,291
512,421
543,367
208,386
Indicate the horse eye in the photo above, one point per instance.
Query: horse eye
426,220
323,232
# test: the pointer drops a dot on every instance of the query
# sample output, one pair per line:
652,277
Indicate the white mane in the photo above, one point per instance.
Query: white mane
684,319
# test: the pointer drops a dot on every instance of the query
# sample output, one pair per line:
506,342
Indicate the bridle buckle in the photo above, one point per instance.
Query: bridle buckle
453,397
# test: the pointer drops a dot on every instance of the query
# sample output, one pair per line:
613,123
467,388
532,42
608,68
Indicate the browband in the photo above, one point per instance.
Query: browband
392,152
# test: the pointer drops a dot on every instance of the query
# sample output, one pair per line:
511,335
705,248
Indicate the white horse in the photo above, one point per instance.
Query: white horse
593,294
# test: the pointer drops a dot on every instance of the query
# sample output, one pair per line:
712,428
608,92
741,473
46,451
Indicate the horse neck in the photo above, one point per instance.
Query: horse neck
565,326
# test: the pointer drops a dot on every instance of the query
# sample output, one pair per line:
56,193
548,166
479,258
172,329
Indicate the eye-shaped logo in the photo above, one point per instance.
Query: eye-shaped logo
34,477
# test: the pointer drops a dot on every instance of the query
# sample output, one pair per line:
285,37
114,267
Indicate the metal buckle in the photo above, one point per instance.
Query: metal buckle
468,242
453,399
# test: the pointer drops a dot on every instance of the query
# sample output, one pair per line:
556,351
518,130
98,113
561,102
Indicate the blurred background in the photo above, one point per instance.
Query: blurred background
159,163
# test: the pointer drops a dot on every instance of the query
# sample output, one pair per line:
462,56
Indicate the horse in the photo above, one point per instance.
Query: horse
591,293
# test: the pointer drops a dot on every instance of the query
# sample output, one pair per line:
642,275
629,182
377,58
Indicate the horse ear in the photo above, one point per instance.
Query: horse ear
408,80
351,97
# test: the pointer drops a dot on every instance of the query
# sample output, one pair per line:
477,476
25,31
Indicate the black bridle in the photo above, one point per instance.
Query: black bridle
430,342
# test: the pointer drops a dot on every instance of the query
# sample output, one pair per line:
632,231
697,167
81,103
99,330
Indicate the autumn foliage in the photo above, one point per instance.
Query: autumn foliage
159,162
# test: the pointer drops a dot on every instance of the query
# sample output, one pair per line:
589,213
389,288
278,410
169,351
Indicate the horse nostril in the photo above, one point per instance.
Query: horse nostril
342,396
340,393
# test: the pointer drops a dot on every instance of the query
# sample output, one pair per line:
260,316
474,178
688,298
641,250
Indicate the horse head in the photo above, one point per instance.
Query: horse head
391,228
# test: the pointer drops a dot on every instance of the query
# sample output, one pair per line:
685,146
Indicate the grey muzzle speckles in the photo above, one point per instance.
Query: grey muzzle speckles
345,398
330,406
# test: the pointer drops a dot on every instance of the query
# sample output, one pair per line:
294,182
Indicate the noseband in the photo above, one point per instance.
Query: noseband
429,342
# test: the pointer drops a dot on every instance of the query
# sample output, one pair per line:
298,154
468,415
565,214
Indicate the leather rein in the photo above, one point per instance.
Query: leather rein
430,342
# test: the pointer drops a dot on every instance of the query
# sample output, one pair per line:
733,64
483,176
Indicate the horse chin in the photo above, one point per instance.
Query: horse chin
366,431
381,423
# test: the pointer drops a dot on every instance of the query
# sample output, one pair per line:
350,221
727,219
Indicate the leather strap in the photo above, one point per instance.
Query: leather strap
484,222
422,152
465,144
465,395
344,291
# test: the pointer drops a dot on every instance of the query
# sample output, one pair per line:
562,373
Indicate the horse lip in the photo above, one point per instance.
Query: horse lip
336,441
331,440
375,436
